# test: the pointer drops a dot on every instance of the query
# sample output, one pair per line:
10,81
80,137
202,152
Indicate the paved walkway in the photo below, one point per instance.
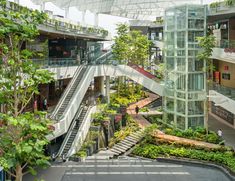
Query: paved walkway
139,118
126,169
228,132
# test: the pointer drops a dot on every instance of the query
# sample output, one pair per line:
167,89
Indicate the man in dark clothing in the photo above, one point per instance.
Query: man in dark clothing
137,109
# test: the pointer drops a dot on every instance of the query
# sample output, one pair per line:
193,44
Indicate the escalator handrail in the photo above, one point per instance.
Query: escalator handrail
81,126
70,131
65,93
83,77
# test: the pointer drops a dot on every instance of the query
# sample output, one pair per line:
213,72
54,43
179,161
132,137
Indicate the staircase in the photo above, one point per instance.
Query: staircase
121,147
72,133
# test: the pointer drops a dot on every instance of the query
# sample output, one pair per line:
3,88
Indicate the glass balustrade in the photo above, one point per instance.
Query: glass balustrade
56,62
226,91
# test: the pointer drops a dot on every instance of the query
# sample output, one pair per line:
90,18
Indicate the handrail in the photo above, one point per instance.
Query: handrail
65,93
77,86
69,131
80,133
104,56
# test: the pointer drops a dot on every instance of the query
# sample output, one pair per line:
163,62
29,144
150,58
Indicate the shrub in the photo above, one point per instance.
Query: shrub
153,151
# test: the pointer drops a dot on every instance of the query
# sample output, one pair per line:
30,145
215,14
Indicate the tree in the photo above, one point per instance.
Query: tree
23,134
131,46
120,48
207,43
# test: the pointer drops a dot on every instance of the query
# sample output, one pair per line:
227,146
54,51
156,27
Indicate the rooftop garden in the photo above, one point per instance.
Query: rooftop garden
61,23
225,3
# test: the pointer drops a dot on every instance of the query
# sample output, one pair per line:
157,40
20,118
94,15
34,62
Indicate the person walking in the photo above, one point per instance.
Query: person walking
137,109
44,104
220,133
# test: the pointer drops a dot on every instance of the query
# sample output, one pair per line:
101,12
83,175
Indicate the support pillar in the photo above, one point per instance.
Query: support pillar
83,17
42,6
107,80
99,85
66,12
96,19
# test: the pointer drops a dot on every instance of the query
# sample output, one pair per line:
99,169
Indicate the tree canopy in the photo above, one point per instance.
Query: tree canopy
131,46
23,134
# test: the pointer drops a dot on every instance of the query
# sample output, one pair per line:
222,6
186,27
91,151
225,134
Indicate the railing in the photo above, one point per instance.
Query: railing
82,132
69,131
226,44
56,62
62,23
104,58
226,91
63,97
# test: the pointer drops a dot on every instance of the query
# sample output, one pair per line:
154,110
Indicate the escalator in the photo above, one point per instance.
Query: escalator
69,92
73,131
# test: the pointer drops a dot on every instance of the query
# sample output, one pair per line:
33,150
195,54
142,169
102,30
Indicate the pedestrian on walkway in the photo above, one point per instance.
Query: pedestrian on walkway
220,133
137,109
44,104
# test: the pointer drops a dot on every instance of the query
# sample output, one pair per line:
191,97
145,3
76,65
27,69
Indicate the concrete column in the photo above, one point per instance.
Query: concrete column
42,6
66,12
83,17
96,19
107,92
99,85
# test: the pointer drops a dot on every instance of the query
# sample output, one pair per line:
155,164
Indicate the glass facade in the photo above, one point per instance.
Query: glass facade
185,76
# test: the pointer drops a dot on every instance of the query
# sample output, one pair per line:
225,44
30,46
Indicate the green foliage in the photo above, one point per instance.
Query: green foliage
214,5
23,134
131,46
23,140
199,134
81,154
153,151
21,77
207,43
144,109
229,2
160,71
131,127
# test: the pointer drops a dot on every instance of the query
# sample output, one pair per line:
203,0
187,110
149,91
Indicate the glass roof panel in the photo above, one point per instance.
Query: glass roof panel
135,9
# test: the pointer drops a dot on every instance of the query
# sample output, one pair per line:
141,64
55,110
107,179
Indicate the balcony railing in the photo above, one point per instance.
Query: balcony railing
226,44
56,62
226,91
62,23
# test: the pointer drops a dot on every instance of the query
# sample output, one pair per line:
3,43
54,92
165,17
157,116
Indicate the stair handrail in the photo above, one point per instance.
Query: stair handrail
79,130
69,131
65,93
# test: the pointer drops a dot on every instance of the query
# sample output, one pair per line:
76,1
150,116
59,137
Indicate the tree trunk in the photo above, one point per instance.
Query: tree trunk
19,174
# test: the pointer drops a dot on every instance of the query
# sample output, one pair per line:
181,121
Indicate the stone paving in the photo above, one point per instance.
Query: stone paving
126,168
137,117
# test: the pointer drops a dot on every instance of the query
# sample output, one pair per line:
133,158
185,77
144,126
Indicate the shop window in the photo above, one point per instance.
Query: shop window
226,76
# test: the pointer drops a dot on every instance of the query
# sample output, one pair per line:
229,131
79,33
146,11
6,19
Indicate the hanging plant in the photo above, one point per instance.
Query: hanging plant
214,5
229,3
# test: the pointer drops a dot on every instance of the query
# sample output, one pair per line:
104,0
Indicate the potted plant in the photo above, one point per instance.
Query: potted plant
82,154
